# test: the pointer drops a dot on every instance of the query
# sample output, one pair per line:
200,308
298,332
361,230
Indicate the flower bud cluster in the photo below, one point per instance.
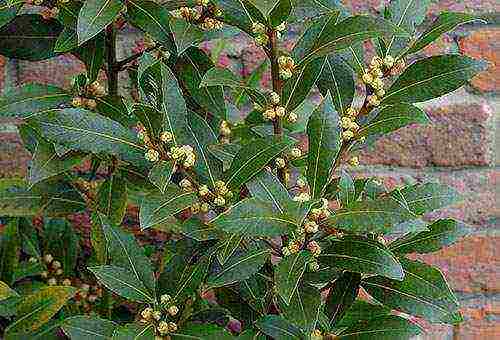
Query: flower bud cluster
349,127
94,89
184,153
279,29
260,31
210,24
225,131
161,318
286,67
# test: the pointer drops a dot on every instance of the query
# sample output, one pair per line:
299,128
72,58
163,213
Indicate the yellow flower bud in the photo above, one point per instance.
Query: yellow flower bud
77,101
262,39
275,98
351,112
156,315
292,118
367,78
147,313
48,258
269,114
280,111
166,136
389,61
311,227
163,328
286,74
173,310
220,201
280,163
165,298
152,155
281,27
203,190
56,264
52,282
373,100
258,28
347,135
205,207
354,161
172,326
295,153
185,184
66,282
302,197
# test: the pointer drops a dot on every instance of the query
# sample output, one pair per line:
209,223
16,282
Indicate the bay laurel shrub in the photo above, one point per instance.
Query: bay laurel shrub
268,240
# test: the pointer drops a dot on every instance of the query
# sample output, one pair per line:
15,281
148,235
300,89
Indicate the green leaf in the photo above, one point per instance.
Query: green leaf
191,67
441,233
253,217
239,267
97,237
304,308
207,166
362,311
424,198
227,247
195,331
134,331
94,16
445,22
29,99
341,296
122,282
17,200
267,187
8,11
278,328
297,88
29,37
323,131
6,292
239,13
407,15
88,328
361,255
181,280
67,40
348,32
157,209
289,273
88,131
253,157
123,251
280,12
36,309
186,35
151,119
337,77
255,291
161,173
424,292
225,153
62,242
390,327
112,198
46,163
153,19
92,54
347,191
114,107
432,77
9,248
393,117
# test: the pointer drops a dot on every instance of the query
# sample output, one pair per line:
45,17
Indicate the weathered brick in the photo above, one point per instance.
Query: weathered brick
470,6
481,318
459,135
13,157
484,44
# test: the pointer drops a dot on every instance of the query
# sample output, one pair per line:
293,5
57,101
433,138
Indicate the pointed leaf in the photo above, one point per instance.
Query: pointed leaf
337,77
238,13
342,296
347,190
94,16
8,11
390,327
279,329
361,255
195,331
9,249
323,131
304,308
88,328
266,187
134,331
289,273
92,54
228,246
432,77
161,173
112,198
151,119
280,12
97,237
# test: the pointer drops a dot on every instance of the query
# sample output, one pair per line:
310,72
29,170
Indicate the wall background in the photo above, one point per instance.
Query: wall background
461,149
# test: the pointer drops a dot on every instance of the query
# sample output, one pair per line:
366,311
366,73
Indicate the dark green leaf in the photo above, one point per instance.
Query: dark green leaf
92,54
239,267
112,198
342,295
228,246
252,158
161,174
94,16
289,273
445,22
115,108
67,40
225,153
361,255
253,217
362,311
8,11
62,242
423,292
280,12
390,327
238,13
134,331
432,77
441,233
347,190
10,244
29,37
194,331
297,88
324,132
278,328
186,35
153,19
17,200
304,308
337,77
151,119
30,99
266,187
97,237
88,328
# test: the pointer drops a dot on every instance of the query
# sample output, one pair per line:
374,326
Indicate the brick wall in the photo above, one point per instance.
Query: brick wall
460,148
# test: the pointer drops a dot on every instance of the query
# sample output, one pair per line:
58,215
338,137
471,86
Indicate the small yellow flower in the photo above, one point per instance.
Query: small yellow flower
269,114
220,201
389,61
295,153
373,100
66,282
345,122
280,163
205,207
311,227
275,98
166,136
380,93
351,112
48,258
203,190
165,298
262,39
354,161
302,197
59,271
185,184
156,315
173,310
367,78
258,28
353,126
347,135
376,62
286,74
147,313
292,118
172,326
281,27
77,101
56,264
163,328
280,111
314,248
52,282
152,155
294,247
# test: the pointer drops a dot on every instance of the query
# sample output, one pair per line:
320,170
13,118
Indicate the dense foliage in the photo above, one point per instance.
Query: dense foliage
269,240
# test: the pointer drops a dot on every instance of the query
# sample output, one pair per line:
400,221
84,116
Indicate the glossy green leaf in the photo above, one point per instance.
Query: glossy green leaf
304,308
255,291
323,131
280,12
390,327
6,292
297,88
88,328
112,198
157,209
253,217
186,35
88,131
151,119
122,282
441,233
361,255
253,157
337,77
29,99
66,41
17,200
8,11
29,37
239,13
161,173
10,244
362,311
225,153
341,296
94,16
97,238
445,22
278,328
432,77
348,32
393,117
424,198
114,107
424,292
347,190
227,247
36,309
267,187
153,19
194,331
407,15
207,166
62,242
133,331
239,267
289,273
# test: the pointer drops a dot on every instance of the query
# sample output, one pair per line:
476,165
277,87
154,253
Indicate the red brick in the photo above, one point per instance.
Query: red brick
458,136
478,330
484,44
471,265
3,63
13,156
